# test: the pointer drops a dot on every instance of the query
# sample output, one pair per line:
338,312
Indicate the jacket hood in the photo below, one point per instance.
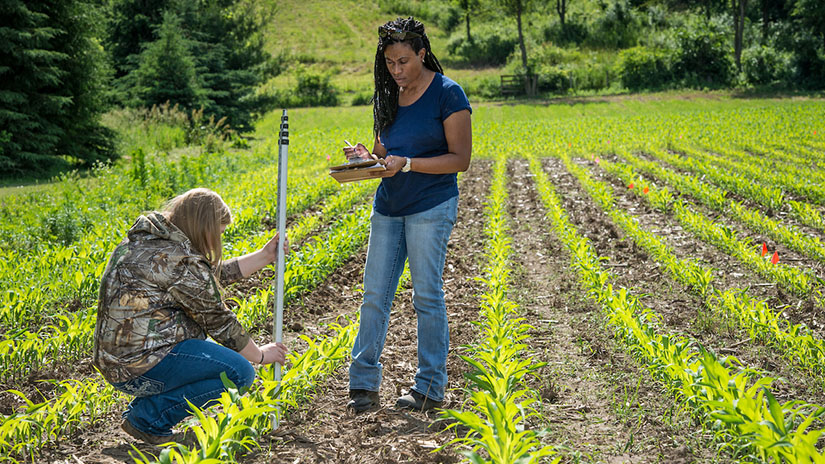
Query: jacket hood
154,226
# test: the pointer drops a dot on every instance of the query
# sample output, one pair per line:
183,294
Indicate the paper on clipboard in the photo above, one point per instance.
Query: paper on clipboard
355,170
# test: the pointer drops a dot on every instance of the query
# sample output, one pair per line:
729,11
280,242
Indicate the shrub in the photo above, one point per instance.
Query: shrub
362,98
764,65
618,27
485,87
554,79
704,56
573,32
314,89
643,68
490,46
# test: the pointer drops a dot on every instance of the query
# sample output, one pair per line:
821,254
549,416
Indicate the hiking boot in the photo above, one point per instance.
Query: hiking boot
143,436
417,402
363,400
184,438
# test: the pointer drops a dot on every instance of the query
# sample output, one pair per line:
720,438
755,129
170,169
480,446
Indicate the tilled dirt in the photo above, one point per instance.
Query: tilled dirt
598,404
681,311
323,431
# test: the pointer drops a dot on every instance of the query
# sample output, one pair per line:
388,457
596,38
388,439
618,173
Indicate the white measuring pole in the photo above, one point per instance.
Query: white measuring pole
278,320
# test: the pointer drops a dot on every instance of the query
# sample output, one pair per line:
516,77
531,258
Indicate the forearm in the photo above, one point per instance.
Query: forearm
447,163
253,262
252,353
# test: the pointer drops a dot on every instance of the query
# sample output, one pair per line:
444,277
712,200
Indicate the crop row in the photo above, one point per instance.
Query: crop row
796,342
25,351
802,283
715,198
769,196
499,400
734,402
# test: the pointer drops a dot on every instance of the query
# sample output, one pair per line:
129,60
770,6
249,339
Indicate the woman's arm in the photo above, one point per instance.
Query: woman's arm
266,354
253,262
459,134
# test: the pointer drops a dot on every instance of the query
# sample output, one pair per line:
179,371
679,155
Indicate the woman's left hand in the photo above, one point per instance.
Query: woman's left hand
271,248
393,164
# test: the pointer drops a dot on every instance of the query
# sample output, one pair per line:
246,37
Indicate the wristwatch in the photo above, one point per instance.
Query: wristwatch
407,166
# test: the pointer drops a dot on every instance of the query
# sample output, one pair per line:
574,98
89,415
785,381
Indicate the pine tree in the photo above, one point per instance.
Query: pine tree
224,38
29,73
166,69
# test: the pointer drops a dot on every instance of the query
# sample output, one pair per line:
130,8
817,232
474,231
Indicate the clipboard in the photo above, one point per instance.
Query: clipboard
355,170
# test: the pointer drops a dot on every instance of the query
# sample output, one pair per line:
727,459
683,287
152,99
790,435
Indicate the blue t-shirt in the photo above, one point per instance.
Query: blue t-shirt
418,132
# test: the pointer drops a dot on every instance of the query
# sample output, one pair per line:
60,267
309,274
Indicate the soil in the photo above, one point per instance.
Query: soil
681,312
596,402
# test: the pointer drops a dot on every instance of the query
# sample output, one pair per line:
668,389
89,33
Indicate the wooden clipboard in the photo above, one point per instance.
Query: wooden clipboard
356,170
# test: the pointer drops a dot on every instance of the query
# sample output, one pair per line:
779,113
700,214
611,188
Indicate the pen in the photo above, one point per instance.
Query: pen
348,144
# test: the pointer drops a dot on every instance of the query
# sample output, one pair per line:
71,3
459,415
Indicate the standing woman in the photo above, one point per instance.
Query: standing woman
160,297
423,136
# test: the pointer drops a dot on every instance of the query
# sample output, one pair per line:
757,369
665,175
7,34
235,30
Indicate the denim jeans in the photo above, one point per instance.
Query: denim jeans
192,370
421,237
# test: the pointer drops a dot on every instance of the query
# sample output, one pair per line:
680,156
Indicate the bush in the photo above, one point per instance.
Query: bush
490,46
362,98
312,89
488,87
554,79
704,56
764,65
643,68
573,32
618,27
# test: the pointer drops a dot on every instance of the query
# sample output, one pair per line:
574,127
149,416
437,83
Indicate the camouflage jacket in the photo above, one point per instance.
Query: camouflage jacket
157,291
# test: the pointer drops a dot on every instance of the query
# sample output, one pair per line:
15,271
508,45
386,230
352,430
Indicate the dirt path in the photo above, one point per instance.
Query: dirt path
324,432
597,402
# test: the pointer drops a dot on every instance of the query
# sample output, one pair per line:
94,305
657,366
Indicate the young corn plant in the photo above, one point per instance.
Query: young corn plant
796,343
704,383
242,419
498,398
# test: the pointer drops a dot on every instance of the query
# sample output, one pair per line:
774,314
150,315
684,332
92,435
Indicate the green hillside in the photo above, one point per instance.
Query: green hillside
339,38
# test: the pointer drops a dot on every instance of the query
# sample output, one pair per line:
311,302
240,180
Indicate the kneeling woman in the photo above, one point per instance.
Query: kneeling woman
159,299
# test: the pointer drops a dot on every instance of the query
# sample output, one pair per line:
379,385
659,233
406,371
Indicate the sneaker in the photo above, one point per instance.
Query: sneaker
417,402
363,400
143,436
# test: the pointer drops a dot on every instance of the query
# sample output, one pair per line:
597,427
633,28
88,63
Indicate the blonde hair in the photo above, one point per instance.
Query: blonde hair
199,213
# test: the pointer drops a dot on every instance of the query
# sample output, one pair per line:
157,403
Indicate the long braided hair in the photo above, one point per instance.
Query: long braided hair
385,98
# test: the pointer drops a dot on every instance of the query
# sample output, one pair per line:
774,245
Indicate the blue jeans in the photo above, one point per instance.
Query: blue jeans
421,237
192,370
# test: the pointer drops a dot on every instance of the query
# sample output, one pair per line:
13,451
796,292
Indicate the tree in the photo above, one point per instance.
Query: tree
51,77
561,9
517,8
468,7
739,7
166,69
225,40
811,14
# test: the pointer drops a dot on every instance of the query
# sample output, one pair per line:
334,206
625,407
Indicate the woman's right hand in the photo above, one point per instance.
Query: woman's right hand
274,353
359,151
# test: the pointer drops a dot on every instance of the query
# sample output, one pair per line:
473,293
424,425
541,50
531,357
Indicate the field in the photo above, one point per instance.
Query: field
629,280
